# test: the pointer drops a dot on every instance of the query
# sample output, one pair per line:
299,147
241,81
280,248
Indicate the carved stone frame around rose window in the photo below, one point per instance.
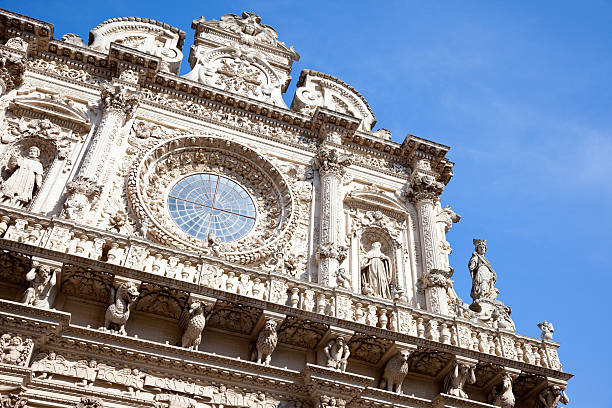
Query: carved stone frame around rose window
170,160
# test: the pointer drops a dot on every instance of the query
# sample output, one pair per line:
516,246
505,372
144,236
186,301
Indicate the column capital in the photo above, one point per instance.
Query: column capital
120,98
332,161
12,68
423,185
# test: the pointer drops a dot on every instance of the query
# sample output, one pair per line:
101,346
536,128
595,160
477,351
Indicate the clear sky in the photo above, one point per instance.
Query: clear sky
522,93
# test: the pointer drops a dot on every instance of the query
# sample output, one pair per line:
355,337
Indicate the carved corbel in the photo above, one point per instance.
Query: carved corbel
193,319
44,278
396,367
501,393
552,394
461,371
333,351
123,297
267,338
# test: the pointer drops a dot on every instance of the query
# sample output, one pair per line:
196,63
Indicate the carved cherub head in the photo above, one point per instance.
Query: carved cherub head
271,325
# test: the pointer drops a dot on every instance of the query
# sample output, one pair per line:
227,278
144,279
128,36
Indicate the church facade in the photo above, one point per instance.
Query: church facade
193,242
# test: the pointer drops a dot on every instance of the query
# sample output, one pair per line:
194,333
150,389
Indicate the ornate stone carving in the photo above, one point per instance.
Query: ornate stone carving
332,161
18,43
455,380
46,366
489,310
337,353
547,330
26,176
266,343
173,159
119,98
376,273
118,313
13,399
249,27
80,193
192,336
502,395
15,350
326,401
551,396
483,275
90,402
144,35
43,279
424,186
73,39
12,68
395,371
318,89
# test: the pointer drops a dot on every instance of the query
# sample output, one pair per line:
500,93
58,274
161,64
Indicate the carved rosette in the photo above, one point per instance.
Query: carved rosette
159,168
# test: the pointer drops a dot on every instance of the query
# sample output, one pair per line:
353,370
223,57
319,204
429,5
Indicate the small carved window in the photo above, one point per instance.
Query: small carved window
207,204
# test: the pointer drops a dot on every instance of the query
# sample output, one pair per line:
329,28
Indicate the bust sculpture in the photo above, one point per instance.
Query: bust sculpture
483,275
376,273
27,175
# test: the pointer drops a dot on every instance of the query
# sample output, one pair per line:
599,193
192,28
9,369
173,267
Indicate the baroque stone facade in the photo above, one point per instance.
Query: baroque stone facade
192,241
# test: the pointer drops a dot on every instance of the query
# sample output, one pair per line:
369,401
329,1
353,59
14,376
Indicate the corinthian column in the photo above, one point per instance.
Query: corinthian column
118,105
424,192
331,165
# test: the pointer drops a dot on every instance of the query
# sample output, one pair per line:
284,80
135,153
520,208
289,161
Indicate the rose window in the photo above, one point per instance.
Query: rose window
204,204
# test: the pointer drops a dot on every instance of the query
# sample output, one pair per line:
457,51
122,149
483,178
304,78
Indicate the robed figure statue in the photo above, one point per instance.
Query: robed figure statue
483,275
27,175
376,273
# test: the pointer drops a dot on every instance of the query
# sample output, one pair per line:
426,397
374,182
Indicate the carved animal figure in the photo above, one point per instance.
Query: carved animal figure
395,372
266,343
193,333
503,396
118,313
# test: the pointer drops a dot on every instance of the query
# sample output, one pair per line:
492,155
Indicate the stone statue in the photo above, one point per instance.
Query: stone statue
15,350
27,175
483,275
118,313
42,280
343,279
551,396
395,371
547,330
266,343
376,273
193,332
456,379
337,352
502,395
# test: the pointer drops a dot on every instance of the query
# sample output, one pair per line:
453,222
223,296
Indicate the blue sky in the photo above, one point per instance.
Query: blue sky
522,93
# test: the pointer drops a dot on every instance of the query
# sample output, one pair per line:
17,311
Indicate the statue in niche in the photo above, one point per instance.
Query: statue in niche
483,275
376,273
42,280
26,175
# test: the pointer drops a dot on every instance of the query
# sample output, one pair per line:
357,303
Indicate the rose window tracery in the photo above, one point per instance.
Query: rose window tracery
203,204
212,195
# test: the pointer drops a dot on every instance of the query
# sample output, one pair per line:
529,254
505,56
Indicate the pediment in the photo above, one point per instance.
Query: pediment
59,110
373,197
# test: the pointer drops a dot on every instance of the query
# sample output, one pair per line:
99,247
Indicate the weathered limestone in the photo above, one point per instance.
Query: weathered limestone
192,242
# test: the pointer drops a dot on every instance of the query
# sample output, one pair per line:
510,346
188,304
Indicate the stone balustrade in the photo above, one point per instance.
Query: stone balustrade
138,254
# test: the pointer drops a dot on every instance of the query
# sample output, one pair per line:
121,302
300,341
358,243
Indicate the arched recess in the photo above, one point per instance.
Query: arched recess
374,214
